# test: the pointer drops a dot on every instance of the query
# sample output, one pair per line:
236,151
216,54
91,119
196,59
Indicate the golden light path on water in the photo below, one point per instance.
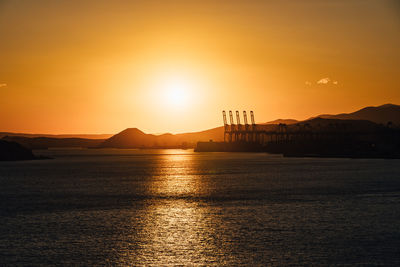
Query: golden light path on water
158,208
176,178
178,228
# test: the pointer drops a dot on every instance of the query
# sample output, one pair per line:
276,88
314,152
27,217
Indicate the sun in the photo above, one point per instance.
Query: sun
176,92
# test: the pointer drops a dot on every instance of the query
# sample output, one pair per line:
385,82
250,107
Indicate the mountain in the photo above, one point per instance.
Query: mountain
129,138
83,136
46,142
215,134
322,125
134,138
381,114
336,125
362,120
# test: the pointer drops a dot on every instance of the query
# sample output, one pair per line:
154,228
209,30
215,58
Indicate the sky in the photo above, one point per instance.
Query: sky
173,66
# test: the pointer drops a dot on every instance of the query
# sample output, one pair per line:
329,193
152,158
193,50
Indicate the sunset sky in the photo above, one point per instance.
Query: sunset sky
173,66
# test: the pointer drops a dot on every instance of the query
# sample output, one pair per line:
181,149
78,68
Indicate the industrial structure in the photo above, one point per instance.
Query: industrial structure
314,137
252,133
239,132
313,130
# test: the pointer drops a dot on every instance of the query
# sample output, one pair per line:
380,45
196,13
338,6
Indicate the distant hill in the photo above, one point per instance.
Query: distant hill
134,138
362,120
283,121
46,142
319,125
381,114
84,136
342,125
129,138
215,134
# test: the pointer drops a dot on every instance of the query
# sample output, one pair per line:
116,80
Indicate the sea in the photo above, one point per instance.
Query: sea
110,207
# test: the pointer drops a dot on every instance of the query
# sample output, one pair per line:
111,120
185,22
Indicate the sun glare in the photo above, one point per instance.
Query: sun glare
176,92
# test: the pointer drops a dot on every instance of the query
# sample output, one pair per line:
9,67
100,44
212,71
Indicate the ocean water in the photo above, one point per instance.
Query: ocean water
178,207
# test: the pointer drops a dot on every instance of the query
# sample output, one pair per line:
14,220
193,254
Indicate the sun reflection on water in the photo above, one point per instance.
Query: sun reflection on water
174,177
177,229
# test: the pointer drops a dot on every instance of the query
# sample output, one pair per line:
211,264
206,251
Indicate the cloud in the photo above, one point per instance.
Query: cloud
3,84
324,81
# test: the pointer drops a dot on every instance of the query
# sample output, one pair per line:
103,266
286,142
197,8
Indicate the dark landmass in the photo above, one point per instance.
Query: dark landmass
320,138
46,142
84,136
129,138
134,138
388,113
12,151
285,121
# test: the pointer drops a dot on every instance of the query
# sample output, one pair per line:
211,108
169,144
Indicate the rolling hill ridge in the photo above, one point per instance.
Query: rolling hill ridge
135,138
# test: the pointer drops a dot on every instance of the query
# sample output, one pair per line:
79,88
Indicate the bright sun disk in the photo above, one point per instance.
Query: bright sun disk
176,92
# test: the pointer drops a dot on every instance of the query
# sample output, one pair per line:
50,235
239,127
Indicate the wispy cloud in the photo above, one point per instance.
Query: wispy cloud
3,84
324,81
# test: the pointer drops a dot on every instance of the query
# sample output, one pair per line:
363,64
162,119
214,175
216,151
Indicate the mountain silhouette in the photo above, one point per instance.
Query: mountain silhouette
365,119
130,138
284,121
47,142
58,136
135,138
381,114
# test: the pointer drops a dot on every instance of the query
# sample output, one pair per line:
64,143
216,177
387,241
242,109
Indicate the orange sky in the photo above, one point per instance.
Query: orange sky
103,66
